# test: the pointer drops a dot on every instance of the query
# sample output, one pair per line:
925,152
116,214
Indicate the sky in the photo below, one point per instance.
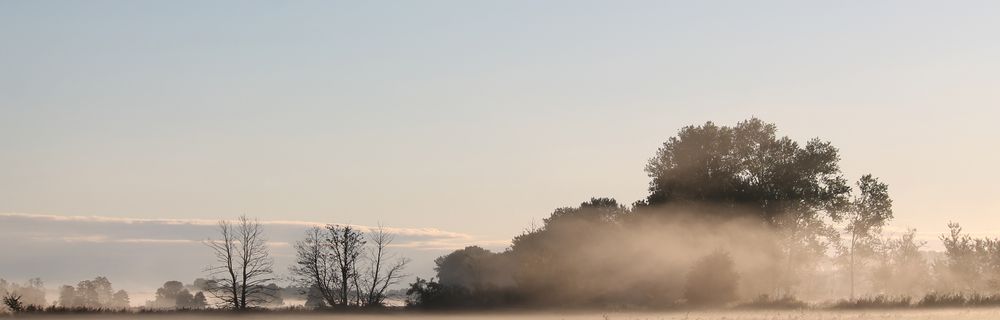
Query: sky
466,117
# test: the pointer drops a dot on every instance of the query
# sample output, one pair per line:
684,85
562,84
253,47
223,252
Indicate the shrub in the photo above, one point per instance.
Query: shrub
13,302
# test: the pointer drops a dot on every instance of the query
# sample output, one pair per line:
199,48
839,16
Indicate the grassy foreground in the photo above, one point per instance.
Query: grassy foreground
805,314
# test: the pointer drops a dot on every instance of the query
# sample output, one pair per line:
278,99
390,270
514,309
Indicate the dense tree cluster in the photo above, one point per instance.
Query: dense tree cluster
771,209
93,294
174,295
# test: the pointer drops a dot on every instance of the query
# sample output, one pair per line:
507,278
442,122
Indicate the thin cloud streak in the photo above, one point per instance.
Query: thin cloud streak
421,232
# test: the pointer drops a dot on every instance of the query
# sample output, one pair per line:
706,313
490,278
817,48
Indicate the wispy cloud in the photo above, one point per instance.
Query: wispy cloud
141,253
423,232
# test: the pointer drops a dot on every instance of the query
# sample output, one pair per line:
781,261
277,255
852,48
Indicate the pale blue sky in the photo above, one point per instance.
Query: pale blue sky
476,117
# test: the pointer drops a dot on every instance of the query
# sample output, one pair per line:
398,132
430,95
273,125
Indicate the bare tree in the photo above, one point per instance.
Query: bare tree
346,266
381,272
347,245
315,266
244,264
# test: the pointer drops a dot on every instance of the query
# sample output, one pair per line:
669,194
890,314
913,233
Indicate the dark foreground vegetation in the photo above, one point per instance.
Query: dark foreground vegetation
736,216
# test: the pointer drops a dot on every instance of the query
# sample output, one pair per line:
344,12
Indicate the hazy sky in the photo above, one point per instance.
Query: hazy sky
476,117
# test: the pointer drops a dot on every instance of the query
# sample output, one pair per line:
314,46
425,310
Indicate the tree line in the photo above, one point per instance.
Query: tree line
734,213
337,266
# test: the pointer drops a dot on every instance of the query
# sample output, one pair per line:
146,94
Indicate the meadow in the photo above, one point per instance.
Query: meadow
805,314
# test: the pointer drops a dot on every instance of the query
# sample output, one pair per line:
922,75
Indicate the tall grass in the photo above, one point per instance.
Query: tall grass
874,302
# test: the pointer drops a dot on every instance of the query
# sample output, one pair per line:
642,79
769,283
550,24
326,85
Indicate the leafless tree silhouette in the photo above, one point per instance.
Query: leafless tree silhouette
316,267
348,246
382,272
244,264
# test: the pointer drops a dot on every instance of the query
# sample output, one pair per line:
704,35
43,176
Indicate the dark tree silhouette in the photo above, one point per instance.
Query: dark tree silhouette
384,268
748,167
244,264
344,266
316,267
13,302
347,245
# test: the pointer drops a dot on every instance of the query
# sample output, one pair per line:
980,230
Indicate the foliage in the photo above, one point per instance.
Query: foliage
747,166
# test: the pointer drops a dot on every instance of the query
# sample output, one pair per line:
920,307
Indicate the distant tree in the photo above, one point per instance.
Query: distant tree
971,264
243,266
67,296
314,299
94,294
864,218
959,271
199,301
174,294
184,299
712,280
464,267
168,296
902,269
120,300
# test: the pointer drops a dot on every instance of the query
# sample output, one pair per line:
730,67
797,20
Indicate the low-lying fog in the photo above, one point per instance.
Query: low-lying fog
959,314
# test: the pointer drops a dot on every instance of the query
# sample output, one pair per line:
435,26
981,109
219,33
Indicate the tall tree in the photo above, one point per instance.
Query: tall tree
748,170
746,167
869,210
384,269
244,264
347,245
315,267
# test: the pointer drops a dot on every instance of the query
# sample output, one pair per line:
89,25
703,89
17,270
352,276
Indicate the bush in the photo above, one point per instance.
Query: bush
13,302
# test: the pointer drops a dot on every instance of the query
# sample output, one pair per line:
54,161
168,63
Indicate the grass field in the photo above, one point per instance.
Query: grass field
901,314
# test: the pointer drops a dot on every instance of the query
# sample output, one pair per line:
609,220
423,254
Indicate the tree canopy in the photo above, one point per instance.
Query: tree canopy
747,166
